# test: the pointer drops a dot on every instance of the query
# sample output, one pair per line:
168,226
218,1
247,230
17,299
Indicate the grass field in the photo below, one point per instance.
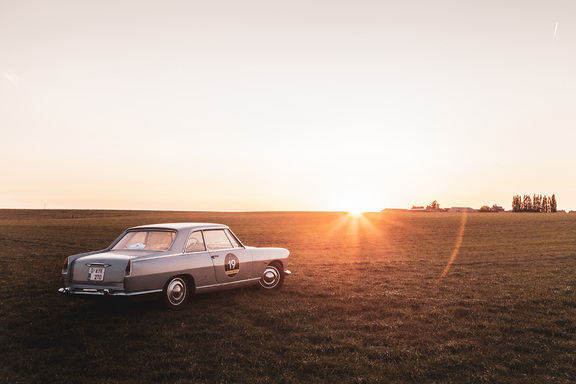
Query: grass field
380,298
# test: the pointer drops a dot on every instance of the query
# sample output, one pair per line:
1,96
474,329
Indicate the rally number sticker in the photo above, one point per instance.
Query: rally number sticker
231,265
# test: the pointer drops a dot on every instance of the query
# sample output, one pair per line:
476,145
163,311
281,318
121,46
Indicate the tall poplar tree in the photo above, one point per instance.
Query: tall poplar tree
545,205
527,204
516,203
553,207
536,203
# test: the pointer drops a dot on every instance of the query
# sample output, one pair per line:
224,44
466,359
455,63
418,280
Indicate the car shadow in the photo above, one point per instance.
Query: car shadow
100,307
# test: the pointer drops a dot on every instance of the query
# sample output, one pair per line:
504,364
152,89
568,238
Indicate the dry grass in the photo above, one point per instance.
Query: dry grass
366,303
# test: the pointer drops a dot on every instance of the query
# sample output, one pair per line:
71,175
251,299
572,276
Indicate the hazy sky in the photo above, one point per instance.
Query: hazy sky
286,105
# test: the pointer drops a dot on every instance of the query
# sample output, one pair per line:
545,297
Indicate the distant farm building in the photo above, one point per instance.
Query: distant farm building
460,209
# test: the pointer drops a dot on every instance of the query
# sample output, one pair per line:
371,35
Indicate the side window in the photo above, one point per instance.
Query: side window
195,242
216,239
233,239
160,241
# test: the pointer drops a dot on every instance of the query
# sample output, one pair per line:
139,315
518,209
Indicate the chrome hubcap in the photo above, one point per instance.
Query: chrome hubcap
176,291
270,278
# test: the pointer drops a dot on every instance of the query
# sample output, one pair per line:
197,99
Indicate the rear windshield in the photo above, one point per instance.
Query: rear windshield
147,240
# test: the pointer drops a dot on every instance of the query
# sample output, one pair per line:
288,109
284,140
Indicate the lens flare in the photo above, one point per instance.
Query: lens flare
456,246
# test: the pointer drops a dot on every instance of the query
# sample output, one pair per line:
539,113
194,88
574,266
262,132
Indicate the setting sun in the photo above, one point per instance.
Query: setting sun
356,202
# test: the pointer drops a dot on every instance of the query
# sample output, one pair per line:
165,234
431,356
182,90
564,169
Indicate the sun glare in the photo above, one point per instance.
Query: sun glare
356,202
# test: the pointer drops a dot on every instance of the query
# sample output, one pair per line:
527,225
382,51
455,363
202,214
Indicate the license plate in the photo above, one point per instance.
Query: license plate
96,273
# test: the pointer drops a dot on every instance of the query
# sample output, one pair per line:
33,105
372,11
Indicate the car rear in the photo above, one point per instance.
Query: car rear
97,274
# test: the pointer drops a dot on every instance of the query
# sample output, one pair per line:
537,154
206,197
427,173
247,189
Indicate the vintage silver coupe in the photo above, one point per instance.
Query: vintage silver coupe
173,261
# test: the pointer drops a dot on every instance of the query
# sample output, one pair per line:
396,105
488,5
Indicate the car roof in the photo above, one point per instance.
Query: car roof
180,226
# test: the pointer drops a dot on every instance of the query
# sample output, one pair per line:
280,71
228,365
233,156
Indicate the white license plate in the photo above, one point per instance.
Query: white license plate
96,273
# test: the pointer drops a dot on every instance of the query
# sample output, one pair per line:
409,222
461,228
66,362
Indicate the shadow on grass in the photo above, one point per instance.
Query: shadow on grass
94,307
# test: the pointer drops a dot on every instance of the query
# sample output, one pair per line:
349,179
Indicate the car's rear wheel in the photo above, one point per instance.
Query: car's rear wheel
176,292
272,278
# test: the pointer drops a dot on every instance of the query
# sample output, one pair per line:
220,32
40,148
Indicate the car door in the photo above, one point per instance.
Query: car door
198,258
231,261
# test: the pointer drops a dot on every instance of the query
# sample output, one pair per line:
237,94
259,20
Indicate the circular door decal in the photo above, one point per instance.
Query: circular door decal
231,265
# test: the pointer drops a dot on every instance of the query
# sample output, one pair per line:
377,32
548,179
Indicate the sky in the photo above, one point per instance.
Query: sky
286,105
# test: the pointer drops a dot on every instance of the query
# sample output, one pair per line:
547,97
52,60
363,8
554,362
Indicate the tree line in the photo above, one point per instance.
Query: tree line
538,203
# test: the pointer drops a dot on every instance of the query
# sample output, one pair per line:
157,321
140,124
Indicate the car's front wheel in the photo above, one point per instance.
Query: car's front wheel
176,292
272,278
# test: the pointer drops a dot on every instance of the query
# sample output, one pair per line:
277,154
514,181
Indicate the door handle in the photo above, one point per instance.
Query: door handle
214,256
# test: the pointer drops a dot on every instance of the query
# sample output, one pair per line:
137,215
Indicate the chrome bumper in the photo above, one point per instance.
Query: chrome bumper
103,292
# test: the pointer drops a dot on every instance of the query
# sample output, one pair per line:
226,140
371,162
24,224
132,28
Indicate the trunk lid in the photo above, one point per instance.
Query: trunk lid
102,268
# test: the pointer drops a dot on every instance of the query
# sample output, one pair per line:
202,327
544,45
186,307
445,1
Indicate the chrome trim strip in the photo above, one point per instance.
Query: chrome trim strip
144,258
105,292
136,293
230,283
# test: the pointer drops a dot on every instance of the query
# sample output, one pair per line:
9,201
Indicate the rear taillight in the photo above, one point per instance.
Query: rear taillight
128,270
65,266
